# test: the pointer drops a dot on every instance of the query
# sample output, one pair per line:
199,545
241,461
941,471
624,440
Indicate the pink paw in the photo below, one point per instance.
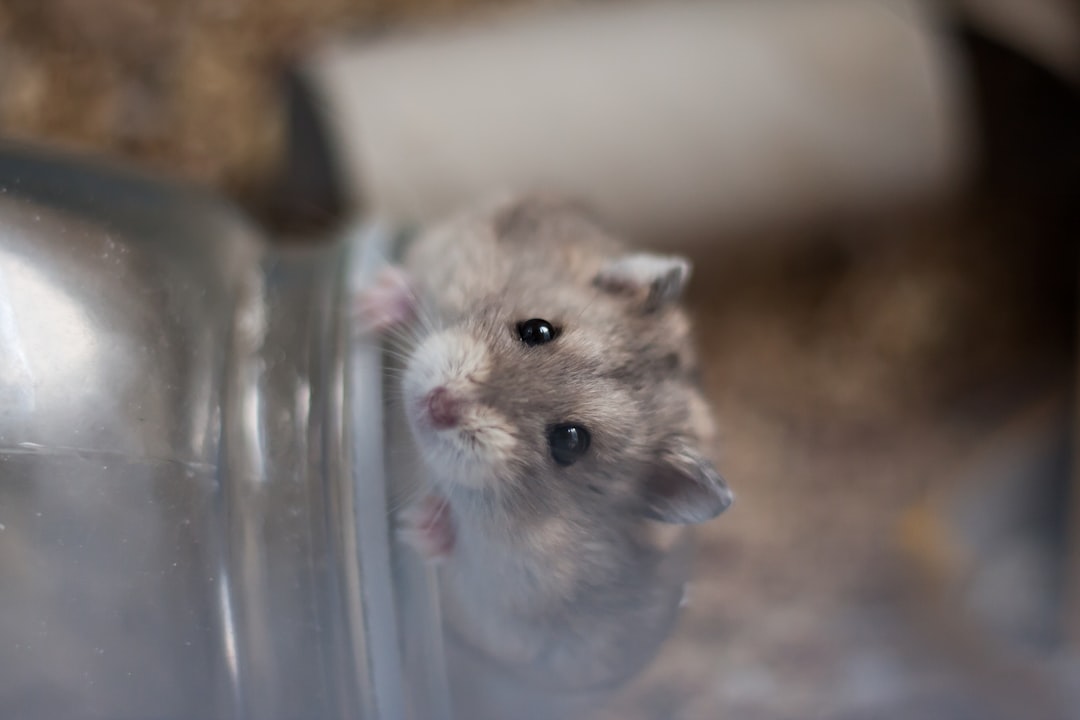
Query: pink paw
428,527
389,302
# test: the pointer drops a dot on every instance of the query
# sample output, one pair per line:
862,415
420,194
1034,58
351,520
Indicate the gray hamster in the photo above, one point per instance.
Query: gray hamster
549,388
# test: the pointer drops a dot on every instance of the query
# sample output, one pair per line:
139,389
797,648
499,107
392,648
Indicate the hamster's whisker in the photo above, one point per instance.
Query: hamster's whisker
393,373
393,352
425,318
445,500
481,383
396,354
586,309
409,499
401,334
393,405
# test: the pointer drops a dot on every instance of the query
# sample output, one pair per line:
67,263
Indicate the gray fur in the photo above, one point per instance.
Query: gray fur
556,575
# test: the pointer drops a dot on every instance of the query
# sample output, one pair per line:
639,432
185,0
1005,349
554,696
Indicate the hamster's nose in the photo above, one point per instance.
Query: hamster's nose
443,408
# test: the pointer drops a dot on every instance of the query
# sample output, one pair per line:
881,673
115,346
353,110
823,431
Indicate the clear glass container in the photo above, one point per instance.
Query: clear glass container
193,507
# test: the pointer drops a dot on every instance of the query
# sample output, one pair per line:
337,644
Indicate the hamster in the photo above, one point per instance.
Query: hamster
549,388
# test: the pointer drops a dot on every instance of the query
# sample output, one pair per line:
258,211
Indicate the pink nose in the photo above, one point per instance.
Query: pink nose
443,409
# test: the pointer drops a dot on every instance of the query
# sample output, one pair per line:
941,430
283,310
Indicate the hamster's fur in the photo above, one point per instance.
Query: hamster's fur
562,579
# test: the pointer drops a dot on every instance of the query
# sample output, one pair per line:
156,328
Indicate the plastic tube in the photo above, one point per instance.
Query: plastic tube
669,118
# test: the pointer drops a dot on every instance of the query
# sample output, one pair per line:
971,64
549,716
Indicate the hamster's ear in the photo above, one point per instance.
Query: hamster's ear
656,280
684,488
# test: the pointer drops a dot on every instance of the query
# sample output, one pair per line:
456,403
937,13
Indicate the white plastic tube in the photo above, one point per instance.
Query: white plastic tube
668,117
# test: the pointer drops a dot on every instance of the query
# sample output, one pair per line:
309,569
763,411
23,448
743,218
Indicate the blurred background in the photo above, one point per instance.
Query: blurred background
883,204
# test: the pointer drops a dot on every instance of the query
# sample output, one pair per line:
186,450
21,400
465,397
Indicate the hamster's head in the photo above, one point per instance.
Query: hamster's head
569,387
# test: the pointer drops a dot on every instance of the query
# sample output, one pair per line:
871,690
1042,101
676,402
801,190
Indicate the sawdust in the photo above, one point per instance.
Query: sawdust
189,87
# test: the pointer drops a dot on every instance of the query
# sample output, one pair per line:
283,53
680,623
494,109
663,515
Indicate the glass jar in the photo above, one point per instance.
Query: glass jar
193,512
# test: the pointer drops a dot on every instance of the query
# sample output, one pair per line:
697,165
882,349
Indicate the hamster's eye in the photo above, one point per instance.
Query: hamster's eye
536,332
568,443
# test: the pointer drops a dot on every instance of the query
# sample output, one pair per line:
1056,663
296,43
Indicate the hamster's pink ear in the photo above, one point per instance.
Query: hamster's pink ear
684,488
654,279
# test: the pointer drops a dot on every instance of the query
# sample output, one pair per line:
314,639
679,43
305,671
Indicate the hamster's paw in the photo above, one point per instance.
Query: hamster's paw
388,302
427,527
